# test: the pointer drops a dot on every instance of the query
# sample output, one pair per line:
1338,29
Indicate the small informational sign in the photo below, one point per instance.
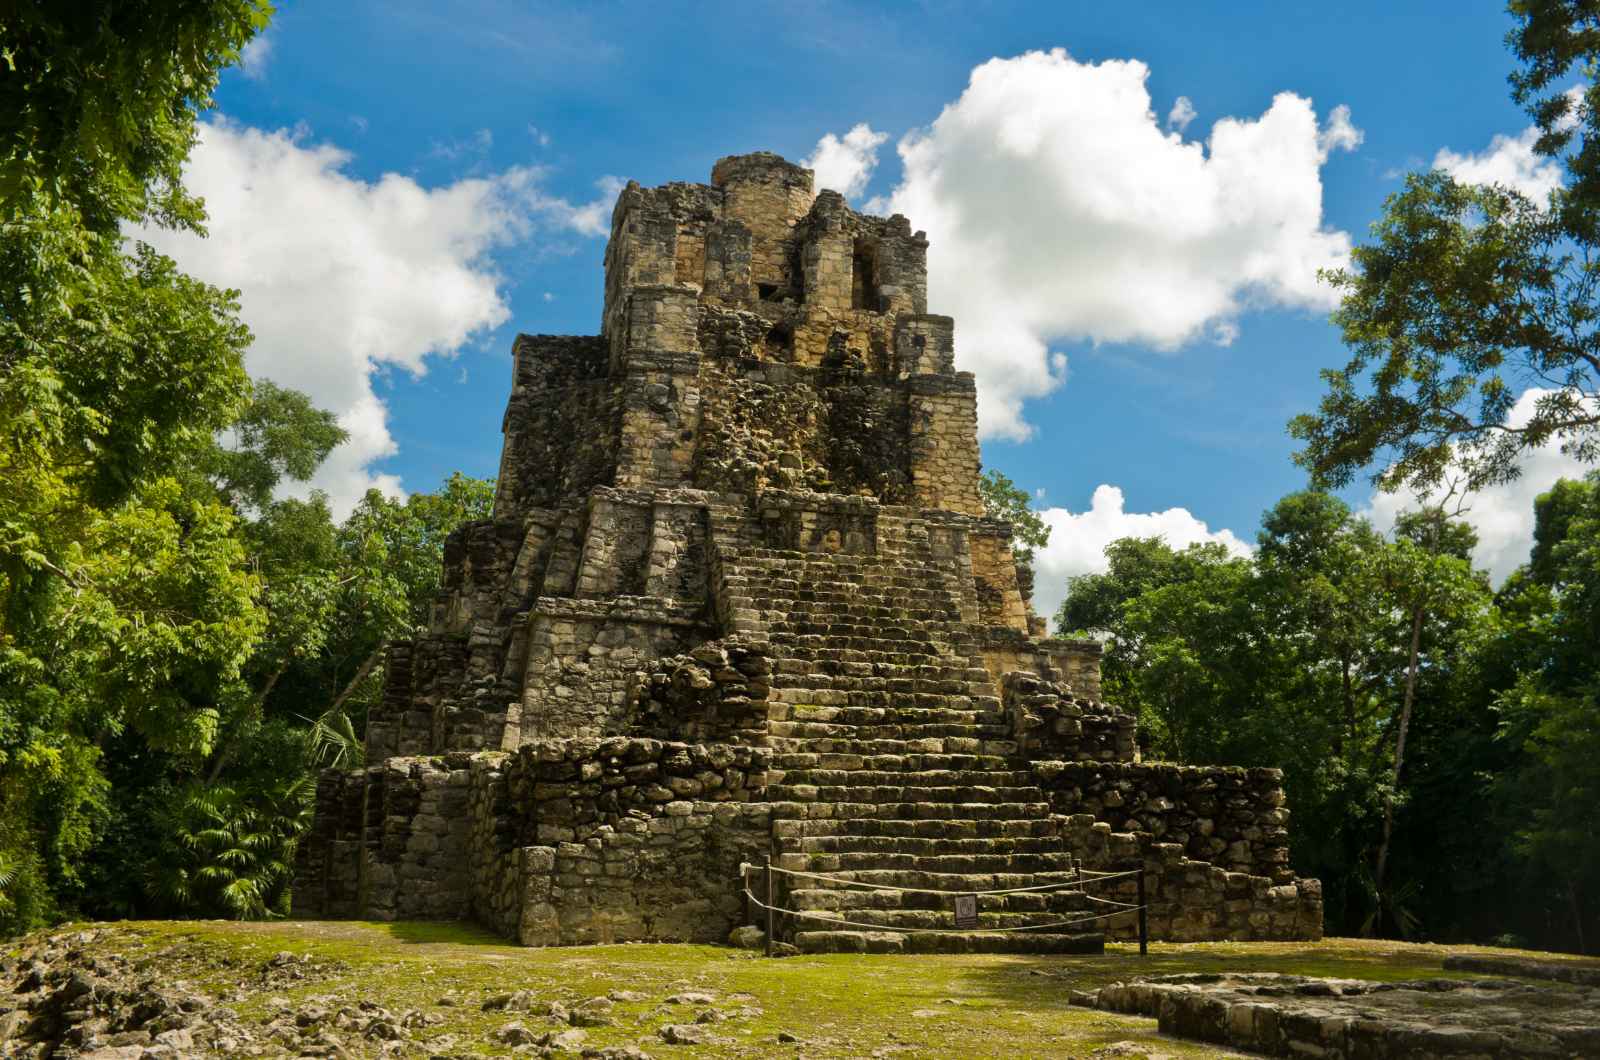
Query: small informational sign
966,910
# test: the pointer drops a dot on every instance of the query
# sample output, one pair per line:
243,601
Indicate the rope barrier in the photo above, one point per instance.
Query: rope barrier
1108,901
869,885
839,922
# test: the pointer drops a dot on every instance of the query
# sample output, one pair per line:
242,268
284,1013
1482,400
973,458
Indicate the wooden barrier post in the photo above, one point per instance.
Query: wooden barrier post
1144,927
769,905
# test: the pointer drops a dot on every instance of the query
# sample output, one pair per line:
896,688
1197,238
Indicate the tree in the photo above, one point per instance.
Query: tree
389,558
1469,290
126,608
1003,500
1550,713
99,99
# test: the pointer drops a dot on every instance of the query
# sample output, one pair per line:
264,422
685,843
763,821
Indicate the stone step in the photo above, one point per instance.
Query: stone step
950,864
879,794
809,663
790,760
849,745
818,648
908,732
903,708
919,778
890,705
858,844
881,827
939,942
782,809
881,907
921,885
892,684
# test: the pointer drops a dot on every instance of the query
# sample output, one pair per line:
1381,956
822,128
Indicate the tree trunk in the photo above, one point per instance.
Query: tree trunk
1349,709
1577,915
366,668
226,751
1399,755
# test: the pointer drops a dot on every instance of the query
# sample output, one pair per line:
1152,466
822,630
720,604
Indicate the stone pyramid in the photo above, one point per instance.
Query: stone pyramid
740,599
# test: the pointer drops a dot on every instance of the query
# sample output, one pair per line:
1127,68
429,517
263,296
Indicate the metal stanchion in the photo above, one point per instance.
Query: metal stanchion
769,905
1144,928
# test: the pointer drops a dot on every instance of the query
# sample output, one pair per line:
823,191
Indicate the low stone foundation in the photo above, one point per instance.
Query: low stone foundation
1286,1015
566,841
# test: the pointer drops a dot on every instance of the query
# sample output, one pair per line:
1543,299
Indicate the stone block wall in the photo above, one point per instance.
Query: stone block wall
561,423
1049,722
994,573
582,656
944,442
1192,901
1230,817
631,839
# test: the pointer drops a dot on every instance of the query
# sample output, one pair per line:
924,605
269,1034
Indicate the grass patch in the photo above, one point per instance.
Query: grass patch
838,1005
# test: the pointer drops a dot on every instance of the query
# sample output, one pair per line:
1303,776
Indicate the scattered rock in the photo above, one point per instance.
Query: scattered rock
515,1033
686,1034
595,1012
568,1041
692,997
748,937
627,996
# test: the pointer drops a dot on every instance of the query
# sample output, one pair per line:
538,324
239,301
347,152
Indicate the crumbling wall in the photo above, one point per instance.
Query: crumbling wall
634,839
1227,816
716,693
1192,901
582,657
561,423
1049,722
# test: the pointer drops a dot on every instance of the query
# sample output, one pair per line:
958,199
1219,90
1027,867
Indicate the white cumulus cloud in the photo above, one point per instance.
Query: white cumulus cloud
1509,161
253,57
845,164
340,278
1181,114
1078,540
1059,210
1502,515
1340,133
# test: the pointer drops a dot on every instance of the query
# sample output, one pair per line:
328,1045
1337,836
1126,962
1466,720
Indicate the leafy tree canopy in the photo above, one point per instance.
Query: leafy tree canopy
1003,500
1469,294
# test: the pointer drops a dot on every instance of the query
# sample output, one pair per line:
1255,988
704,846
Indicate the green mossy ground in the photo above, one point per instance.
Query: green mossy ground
838,1005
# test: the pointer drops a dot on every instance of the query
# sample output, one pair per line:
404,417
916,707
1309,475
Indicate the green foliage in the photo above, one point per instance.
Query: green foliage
1003,500
1468,290
234,854
279,435
1465,292
98,99
1296,657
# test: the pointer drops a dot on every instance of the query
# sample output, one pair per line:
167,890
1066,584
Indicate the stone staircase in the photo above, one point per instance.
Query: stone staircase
891,765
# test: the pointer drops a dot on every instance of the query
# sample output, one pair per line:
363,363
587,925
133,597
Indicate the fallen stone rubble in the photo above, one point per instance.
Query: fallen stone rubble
87,994
64,996
1290,1015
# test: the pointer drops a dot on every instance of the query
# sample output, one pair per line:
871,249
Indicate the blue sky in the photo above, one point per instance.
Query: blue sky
445,99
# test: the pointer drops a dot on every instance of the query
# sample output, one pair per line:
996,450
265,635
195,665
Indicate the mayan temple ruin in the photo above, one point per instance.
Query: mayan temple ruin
739,599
